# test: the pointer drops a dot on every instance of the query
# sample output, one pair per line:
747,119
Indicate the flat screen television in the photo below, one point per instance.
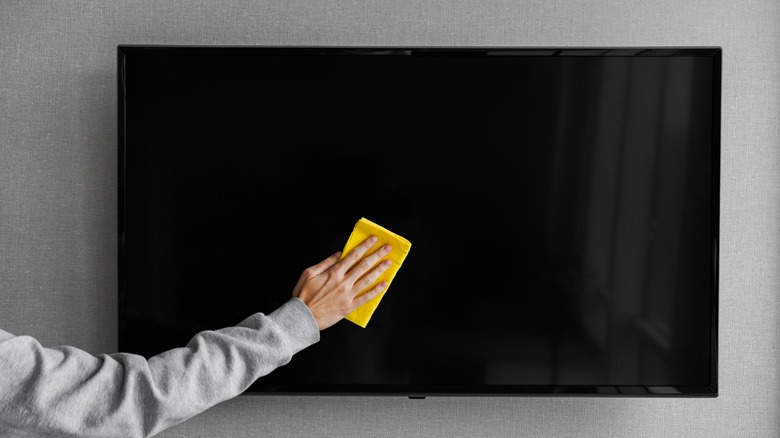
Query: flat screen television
562,205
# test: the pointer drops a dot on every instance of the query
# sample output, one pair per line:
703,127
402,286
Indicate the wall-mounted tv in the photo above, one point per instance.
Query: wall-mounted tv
562,204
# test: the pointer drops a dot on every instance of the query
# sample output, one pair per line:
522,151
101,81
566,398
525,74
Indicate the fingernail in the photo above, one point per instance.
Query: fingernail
387,262
373,239
387,248
383,284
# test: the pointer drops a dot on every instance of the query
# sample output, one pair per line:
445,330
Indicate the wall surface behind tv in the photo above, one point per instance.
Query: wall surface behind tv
58,191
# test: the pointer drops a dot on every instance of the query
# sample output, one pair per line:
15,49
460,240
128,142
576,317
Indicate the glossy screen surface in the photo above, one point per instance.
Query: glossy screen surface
562,211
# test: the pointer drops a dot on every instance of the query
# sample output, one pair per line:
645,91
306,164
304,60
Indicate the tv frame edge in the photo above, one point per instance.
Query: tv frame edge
680,391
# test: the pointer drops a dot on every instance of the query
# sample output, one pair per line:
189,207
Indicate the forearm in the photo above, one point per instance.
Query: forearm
69,392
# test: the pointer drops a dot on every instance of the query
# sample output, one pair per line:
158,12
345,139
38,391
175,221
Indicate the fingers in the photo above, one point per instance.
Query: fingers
369,262
323,266
370,295
371,277
356,254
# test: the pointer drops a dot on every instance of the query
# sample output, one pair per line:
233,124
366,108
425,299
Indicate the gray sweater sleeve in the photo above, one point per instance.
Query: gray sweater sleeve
64,391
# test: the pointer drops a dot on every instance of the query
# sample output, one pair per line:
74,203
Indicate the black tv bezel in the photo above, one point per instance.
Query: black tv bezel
423,391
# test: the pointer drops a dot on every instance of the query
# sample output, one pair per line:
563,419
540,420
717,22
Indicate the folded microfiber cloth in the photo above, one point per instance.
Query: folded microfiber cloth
363,229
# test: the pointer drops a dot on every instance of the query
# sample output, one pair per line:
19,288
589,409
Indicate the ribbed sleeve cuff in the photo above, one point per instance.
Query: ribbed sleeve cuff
297,321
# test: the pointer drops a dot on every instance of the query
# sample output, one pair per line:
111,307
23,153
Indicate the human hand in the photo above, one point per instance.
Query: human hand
330,288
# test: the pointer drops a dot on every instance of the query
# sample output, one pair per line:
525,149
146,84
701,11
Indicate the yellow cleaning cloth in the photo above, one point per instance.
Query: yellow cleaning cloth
363,229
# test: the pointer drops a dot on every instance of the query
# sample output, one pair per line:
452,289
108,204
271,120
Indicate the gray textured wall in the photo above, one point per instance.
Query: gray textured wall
58,252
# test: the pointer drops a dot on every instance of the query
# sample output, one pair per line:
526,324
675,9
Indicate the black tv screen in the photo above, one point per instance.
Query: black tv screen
562,205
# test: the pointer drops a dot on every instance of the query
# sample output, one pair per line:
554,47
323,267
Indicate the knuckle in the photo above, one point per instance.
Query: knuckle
369,261
362,299
383,266
331,277
355,256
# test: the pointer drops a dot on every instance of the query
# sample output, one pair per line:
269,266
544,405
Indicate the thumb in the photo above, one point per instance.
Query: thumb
324,265
316,270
